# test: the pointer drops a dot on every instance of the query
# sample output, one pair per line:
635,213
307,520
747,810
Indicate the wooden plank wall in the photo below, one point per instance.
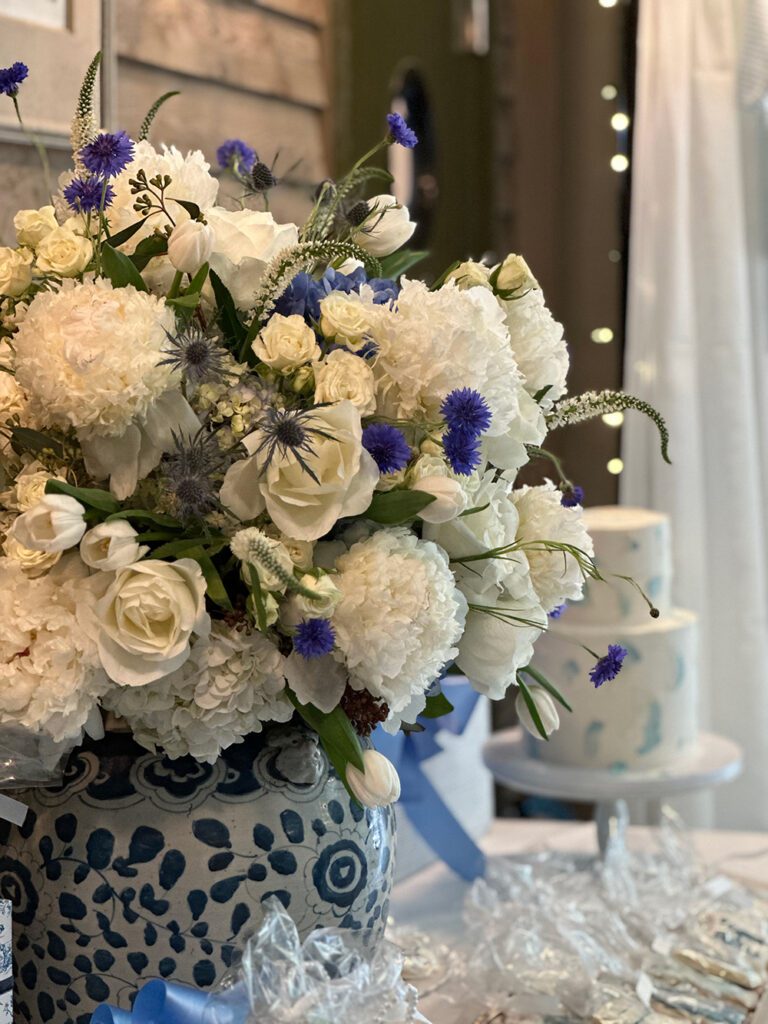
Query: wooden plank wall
255,71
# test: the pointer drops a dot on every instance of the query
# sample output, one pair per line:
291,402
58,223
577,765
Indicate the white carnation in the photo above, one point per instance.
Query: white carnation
88,356
555,574
400,615
538,344
232,683
50,677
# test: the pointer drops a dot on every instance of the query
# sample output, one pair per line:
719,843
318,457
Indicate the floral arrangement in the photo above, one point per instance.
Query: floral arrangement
253,470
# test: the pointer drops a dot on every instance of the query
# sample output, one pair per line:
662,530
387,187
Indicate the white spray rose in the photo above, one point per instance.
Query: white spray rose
33,225
190,246
470,275
299,550
546,708
15,271
34,563
325,596
378,785
387,227
450,499
244,243
111,546
347,318
65,250
55,523
344,375
514,275
286,343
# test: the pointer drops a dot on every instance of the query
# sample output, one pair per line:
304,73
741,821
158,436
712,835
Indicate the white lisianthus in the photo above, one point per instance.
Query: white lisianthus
32,226
513,275
400,615
269,556
286,343
470,275
556,574
232,683
145,618
378,785
65,251
325,596
546,708
34,563
244,243
55,523
450,499
538,344
349,317
345,476
344,375
190,246
15,271
387,227
111,546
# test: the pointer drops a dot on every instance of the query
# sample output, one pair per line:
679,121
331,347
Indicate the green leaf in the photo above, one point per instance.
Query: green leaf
94,497
26,440
214,585
197,282
188,301
473,510
120,269
444,276
437,706
229,320
125,235
142,513
533,710
192,208
336,734
398,262
147,249
258,598
180,547
390,508
542,392
545,684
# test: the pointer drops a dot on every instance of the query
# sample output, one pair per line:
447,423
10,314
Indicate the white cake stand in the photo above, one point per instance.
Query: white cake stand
714,761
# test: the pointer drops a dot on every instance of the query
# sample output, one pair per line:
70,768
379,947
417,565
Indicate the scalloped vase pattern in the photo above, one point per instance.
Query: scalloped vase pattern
140,867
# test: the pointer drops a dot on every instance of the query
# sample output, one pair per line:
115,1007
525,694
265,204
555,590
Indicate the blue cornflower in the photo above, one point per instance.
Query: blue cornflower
108,154
314,637
12,77
609,666
572,497
400,133
557,612
465,410
388,447
237,154
462,451
84,194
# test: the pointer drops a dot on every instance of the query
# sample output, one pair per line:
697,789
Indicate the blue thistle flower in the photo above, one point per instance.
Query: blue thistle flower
285,430
236,154
400,133
313,638
572,497
387,446
192,472
12,77
465,410
84,194
197,355
462,451
108,154
609,666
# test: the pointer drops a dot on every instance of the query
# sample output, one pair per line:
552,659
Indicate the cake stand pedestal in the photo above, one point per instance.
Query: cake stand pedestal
714,761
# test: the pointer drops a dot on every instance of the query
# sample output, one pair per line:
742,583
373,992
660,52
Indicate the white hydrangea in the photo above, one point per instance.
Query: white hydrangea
538,344
400,615
88,356
50,676
233,682
556,575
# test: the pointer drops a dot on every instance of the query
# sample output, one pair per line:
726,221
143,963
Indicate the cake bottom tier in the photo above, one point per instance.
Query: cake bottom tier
646,717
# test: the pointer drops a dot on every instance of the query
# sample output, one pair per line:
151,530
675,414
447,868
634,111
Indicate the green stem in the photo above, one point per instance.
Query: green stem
102,203
41,152
173,291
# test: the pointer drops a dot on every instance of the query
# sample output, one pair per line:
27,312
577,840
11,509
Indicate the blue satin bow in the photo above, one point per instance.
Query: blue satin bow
163,1002
428,813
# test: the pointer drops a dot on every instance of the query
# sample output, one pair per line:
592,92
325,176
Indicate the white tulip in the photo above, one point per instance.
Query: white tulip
54,524
111,546
546,708
387,227
190,246
450,499
376,786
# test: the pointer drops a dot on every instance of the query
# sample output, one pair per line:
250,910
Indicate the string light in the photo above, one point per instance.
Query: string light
614,255
615,466
619,163
602,335
620,122
607,3
613,419
609,92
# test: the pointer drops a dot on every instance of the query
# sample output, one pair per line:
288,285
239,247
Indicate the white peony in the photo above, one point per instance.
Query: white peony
386,228
111,546
345,476
538,344
50,677
286,343
244,243
232,683
400,615
32,226
55,523
344,375
88,356
556,575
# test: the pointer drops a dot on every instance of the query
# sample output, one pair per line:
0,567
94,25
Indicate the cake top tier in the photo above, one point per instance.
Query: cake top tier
623,519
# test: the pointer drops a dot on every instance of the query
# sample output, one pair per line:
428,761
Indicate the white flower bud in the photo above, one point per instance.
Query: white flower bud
378,785
470,275
190,246
386,228
514,275
54,524
546,708
450,499
111,546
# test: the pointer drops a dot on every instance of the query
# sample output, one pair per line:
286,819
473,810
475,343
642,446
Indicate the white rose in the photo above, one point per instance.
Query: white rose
111,546
514,275
379,783
450,499
546,708
346,318
54,524
325,596
15,271
386,228
470,275
299,550
302,505
144,621
34,563
190,246
33,225
244,243
65,251
29,488
344,375
286,343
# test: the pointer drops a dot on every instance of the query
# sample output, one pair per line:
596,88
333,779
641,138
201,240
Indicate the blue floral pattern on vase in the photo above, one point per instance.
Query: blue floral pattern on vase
139,866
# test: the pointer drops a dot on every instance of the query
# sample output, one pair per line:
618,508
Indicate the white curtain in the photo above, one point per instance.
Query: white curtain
697,347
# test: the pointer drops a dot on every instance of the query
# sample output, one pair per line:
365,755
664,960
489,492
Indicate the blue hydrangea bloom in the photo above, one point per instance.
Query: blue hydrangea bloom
400,133
108,154
84,194
462,451
609,666
304,294
314,637
465,409
387,446
12,77
236,153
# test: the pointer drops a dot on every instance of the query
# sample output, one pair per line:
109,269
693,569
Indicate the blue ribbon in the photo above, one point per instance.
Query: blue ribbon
428,813
165,1002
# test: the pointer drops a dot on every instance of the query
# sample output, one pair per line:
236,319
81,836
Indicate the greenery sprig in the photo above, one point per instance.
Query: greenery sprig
597,403
151,114
84,128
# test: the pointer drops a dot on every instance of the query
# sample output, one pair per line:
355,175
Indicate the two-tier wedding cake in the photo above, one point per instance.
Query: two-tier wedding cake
646,717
